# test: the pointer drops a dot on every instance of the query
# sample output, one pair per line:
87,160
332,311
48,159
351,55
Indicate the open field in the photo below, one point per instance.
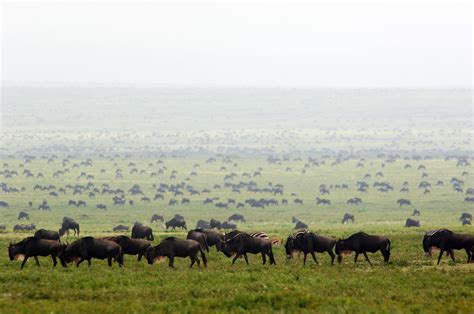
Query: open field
410,282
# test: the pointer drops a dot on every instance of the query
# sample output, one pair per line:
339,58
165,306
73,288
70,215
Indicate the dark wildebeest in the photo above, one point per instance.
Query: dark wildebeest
175,223
131,246
347,217
142,232
34,247
88,247
242,243
67,225
301,225
173,247
416,212
47,235
215,223
202,224
212,237
23,215
236,218
200,237
120,228
227,225
361,243
466,222
412,223
465,216
24,227
446,241
178,216
156,218
308,242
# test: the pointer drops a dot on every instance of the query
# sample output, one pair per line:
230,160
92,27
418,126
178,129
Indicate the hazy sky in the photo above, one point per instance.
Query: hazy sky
252,44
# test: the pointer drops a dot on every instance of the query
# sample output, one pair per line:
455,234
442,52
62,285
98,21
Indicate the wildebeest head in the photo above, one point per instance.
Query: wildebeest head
427,245
154,254
289,247
228,246
342,248
16,250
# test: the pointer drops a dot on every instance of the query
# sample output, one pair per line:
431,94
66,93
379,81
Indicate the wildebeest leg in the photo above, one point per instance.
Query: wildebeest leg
192,261
79,262
367,258
89,262
304,258
235,258
55,262
451,253
171,261
109,261
264,259
314,257
440,255
24,262
37,261
246,258
355,258
332,256
139,257
469,255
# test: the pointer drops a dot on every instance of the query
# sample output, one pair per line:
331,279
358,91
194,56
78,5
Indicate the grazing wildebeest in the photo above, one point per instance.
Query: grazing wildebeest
172,247
215,223
213,238
69,224
120,228
416,212
101,206
402,202
361,243
446,241
24,227
466,222
34,247
142,232
412,223
242,243
202,224
308,242
47,235
175,223
227,225
199,237
300,225
156,217
465,216
88,247
23,215
347,217
236,218
131,246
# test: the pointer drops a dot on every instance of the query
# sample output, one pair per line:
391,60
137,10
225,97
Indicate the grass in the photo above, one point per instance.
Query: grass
409,283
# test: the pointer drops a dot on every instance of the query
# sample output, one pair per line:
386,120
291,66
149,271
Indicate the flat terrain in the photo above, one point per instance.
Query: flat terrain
410,282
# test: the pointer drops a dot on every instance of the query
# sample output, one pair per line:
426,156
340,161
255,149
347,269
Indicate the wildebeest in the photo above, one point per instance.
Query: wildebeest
23,215
120,228
175,223
156,217
88,247
300,225
172,247
416,212
308,242
213,238
215,223
465,216
24,227
412,223
227,225
34,247
446,241
69,224
202,224
131,246
142,232
361,243
236,218
466,222
200,237
347,217
47,235
242,243
402,202
101,206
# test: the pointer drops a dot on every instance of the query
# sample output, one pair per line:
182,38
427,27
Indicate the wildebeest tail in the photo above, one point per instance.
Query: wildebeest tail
203,256
389,244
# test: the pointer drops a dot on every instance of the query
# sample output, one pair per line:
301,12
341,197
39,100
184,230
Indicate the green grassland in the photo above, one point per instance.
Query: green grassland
409,283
